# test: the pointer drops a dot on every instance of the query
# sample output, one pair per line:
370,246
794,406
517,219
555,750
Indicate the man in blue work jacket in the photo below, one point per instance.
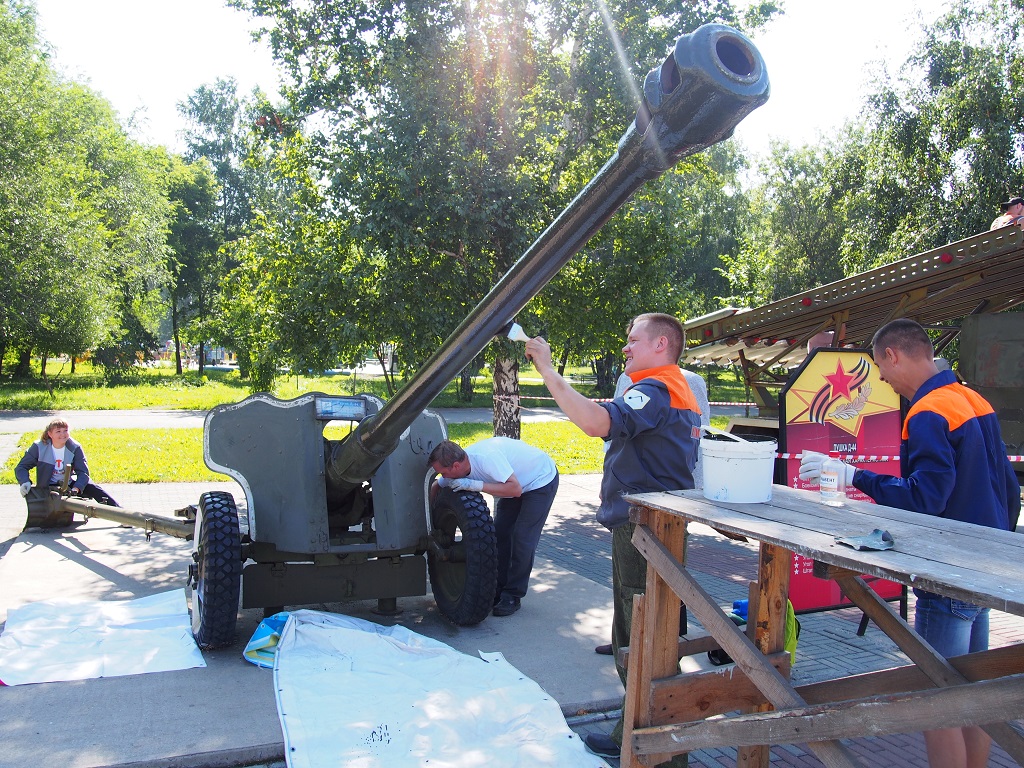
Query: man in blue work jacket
954,465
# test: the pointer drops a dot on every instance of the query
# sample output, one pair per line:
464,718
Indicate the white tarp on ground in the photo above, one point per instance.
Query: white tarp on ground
353,693
55,640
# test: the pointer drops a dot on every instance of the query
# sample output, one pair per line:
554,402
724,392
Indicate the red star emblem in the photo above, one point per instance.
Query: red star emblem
840,381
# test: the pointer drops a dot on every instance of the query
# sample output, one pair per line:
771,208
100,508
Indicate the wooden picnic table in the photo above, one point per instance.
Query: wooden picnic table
753,705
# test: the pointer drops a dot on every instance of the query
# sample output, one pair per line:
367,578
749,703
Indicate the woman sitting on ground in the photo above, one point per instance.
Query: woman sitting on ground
60,464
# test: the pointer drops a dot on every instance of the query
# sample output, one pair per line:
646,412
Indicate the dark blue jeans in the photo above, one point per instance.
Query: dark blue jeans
518,524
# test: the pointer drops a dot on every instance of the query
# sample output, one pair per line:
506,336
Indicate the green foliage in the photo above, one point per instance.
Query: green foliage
193,238
160,387
948,133
172,455
939,145
794,240
220,124
83,213
445,140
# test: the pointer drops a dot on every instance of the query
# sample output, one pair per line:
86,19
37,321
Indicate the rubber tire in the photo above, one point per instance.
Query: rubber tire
218,571
464,591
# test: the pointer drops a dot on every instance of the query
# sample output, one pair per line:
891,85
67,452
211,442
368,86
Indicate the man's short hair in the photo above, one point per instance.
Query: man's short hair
446,453
661,324
904,335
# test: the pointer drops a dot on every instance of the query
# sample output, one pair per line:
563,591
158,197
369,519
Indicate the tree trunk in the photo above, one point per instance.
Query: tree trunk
385,365
244,364
506,398
24,367
42,365
202,357
563,361
604,370
177,339
465,394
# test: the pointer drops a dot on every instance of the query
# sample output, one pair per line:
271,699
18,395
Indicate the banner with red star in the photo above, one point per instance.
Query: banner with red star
836,401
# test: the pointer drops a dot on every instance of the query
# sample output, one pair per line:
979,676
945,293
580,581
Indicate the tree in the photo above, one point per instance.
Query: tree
220,123
448,134
659,254
936,147
795,237
194,239
948,134
82,212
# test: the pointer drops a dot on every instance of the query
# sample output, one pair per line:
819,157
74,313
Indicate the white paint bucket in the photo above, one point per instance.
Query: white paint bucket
737,470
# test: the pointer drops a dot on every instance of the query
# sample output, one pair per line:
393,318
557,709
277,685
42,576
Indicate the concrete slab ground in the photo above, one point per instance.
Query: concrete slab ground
226,712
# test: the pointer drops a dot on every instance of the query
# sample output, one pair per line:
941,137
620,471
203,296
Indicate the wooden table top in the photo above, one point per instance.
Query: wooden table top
980,565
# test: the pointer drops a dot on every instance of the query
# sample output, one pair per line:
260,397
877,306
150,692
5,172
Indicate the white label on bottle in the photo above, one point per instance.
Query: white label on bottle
829,482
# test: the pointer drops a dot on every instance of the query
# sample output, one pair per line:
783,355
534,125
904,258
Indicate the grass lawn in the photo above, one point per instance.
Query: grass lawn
176,455
160,387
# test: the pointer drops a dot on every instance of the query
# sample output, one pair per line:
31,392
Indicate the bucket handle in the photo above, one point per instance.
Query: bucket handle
723,433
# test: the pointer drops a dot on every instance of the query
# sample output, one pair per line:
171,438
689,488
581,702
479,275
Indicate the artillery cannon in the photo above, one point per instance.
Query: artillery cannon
332,520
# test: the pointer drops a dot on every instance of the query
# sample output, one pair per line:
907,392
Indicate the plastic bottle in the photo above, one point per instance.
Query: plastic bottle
832,482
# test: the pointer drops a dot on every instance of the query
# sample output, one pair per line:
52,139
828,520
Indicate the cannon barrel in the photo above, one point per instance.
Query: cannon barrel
49,509
713,78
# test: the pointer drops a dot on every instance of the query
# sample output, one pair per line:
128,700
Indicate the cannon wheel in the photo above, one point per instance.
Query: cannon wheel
216,572
464,578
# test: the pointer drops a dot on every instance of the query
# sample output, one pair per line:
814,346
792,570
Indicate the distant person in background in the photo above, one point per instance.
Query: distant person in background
1013,213
523,479
60,464
820,339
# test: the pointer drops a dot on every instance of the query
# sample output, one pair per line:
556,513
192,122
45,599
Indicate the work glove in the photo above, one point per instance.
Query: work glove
465,484
810,465
25,488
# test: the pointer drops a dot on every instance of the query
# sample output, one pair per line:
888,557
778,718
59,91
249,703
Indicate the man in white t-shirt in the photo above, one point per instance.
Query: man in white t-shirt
523,479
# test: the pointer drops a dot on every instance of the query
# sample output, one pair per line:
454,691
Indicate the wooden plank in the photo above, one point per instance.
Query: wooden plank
860,512
635,712
986,665
694,643
989,580
663,603
659,636
928,660
963,705
691,697
767,616
698,695
769,681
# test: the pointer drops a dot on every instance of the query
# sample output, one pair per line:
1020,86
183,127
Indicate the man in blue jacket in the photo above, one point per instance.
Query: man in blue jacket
954,465
652,432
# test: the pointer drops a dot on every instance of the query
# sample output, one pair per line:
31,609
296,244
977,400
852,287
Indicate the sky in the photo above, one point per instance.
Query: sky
146,56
